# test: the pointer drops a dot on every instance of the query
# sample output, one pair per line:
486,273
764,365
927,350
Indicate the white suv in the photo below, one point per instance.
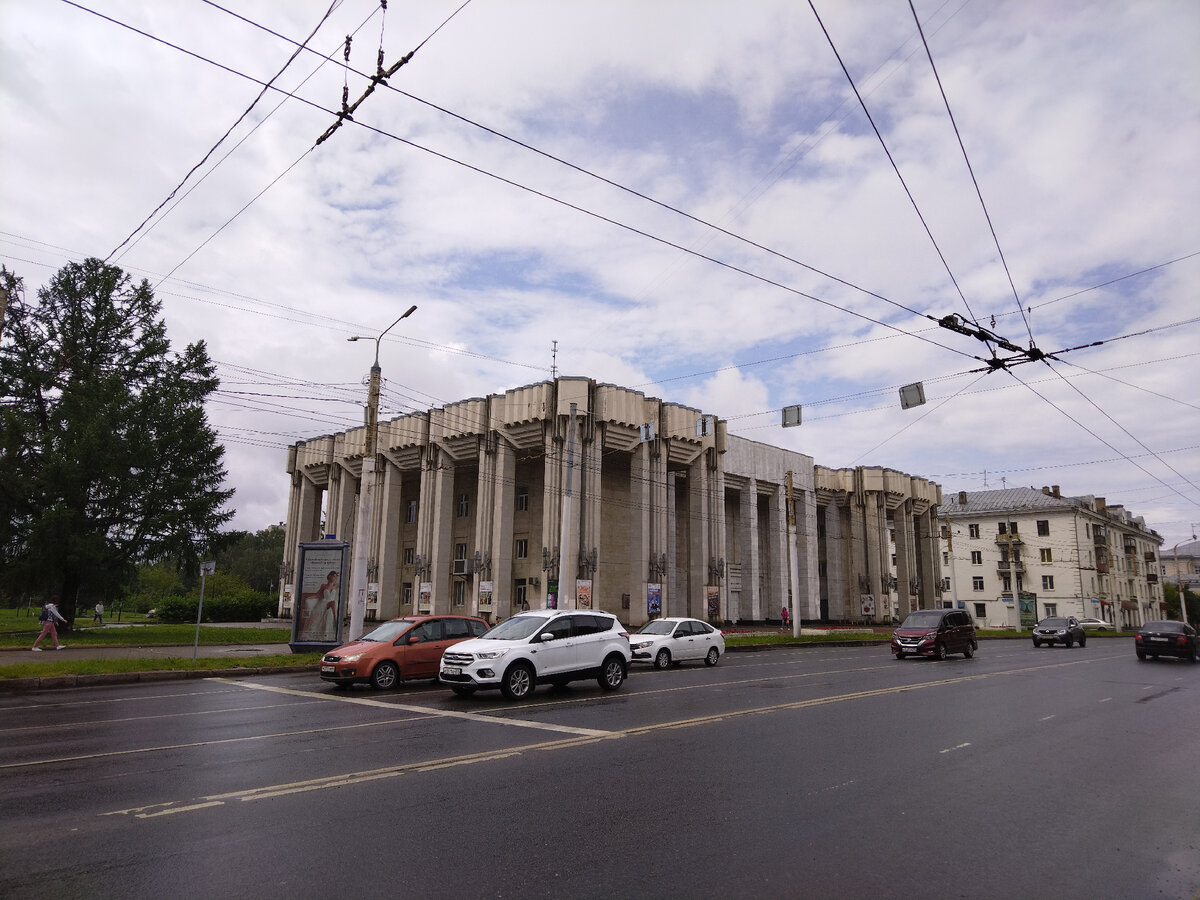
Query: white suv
544,646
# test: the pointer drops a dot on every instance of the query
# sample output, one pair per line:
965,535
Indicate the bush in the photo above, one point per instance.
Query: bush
241,606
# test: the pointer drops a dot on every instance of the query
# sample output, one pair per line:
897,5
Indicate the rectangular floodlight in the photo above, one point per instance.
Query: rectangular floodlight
912,395
791,416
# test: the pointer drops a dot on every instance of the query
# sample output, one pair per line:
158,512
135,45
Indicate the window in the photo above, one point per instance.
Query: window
406,593
522,499
460,551
1047,555
408,556
1051,609
1047,582
460,593
981,610
522,548
464,505
892,535
1043,527
973,531
893,560
977,583
977,557
519,601
456,628
1007,584
945,558
1002,528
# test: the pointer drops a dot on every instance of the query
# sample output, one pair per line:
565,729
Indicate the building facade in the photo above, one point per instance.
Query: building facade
577,493
1067,555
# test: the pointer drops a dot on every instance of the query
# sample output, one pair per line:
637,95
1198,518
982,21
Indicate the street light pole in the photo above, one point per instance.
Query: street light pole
366,494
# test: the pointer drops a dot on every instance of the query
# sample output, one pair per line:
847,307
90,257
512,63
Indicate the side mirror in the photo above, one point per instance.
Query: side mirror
545,636
414,640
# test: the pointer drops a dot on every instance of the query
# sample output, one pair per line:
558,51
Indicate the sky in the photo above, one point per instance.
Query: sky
684,197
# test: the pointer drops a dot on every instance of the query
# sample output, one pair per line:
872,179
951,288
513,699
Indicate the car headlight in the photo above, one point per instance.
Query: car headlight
355,658
491,654
1062,631
639,645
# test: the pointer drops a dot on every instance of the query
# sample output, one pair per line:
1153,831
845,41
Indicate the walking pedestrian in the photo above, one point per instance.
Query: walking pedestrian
783,614
49,617
98,615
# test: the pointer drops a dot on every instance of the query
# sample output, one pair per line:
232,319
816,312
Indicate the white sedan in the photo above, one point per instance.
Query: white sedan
1097,625
667,642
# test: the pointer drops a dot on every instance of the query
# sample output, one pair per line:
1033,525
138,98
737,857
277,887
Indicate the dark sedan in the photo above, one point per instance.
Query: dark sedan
1064,630
1166,638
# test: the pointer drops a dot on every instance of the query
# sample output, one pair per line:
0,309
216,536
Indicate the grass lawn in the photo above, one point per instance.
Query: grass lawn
18,630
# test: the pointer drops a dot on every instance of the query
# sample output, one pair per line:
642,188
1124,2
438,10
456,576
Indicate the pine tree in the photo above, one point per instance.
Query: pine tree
106,455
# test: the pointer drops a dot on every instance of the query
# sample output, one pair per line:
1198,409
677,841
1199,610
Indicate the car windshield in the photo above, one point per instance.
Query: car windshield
925,618
658,626
388,631
1176,627
517,628
1053,622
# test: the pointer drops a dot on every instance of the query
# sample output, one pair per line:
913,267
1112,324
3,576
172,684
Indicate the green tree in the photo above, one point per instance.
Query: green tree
106,455
254,557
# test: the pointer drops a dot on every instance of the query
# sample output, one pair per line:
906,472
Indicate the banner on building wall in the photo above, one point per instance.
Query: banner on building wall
583,593
867,603
485,596
713,593
425,600
551,593
654,600
372,593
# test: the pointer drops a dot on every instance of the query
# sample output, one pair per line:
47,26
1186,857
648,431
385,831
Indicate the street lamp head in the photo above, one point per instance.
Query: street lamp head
355,338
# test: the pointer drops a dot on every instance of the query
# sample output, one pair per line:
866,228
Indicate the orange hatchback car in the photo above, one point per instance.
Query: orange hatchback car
398,651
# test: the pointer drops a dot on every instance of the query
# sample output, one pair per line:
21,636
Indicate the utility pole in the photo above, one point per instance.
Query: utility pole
793,562
366,494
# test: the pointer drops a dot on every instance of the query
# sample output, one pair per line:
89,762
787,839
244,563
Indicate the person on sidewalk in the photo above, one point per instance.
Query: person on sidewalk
98,615
785,617
50,617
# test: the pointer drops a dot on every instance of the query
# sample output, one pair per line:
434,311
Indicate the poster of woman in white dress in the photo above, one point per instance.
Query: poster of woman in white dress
320,593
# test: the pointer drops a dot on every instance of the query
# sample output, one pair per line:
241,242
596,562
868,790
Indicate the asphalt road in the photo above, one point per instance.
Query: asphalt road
830,772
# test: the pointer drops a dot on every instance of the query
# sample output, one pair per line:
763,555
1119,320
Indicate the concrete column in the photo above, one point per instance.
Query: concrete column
590,497
902,525
751,548
389,552
442,533
554,461
808,603
698,544
777,565
674,586
485,511
503,509
641,514
929,565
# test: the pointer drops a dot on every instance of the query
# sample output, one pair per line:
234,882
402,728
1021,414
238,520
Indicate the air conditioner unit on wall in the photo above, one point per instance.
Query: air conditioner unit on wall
459,567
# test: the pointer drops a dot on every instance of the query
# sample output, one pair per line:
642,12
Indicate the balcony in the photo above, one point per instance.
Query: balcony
1004,566
1005,540
1151,578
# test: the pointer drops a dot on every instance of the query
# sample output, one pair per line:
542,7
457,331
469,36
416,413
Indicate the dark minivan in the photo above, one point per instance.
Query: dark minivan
935,632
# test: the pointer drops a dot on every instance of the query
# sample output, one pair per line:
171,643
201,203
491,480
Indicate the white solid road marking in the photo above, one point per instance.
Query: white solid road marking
952,749
421,710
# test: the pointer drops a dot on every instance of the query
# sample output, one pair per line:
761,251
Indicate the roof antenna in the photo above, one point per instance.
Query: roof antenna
554,360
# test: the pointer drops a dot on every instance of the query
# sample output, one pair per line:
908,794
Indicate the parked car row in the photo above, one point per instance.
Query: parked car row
556,647
544,646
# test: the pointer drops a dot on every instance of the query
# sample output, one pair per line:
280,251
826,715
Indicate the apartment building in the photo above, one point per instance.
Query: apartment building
1016,555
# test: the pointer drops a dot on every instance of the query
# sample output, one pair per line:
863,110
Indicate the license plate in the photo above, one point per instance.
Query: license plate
452,670
1160,639
327,669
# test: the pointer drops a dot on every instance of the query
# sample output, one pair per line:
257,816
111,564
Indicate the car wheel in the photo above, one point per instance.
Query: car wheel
518,682
612,673
462,690
714,654
662,659
385,677
969,650
941,651
1141,654
1036,642
1069,642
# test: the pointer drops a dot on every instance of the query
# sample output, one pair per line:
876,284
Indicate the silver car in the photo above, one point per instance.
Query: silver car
1064,630
667,642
